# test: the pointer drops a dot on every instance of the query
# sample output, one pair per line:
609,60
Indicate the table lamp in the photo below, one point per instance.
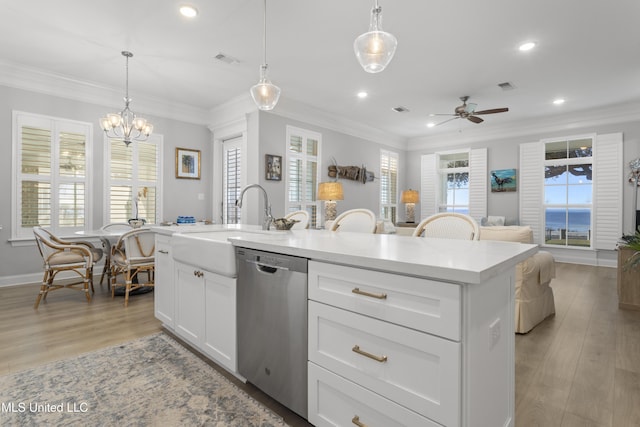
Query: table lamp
410,198
330,192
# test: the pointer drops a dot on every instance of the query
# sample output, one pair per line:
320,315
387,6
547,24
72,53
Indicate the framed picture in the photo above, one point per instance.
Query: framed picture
273,167
187,163
503,180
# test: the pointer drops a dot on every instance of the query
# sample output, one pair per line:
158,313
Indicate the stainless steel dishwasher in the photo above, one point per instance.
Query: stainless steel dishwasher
272,325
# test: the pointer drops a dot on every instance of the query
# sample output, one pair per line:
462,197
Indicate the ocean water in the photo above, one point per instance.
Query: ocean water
579,219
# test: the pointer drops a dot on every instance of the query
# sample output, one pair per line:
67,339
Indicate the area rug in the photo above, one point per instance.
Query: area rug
152,381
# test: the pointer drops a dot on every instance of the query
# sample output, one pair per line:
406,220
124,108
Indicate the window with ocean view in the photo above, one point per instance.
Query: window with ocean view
568,192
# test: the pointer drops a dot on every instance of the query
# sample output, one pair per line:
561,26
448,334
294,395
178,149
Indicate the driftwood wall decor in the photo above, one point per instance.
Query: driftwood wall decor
354,173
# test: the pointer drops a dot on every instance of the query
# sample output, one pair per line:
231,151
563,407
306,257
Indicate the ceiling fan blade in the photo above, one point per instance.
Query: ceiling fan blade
448,120
475,119
492,111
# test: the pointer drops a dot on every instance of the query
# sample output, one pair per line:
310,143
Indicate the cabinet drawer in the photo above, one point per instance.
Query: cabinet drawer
421,304
334,401
414,369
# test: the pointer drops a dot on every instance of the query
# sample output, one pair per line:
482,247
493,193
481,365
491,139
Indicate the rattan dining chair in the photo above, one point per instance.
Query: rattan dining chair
448,225
302,217
133,254
106,244
60,255
358,220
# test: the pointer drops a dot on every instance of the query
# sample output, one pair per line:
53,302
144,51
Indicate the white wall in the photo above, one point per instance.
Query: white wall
180,195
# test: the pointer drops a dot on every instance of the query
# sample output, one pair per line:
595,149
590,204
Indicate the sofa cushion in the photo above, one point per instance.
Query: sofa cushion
508,233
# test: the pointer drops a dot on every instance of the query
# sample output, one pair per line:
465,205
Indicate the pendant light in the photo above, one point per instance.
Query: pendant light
265,94
375,48
126,124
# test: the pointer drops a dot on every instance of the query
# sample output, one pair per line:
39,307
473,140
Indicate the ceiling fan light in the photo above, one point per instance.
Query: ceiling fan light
375,48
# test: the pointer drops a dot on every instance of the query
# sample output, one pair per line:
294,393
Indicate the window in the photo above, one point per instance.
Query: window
231,180
133,187
51,180
388,185
454,181
568,192
302,173
571,190
453,174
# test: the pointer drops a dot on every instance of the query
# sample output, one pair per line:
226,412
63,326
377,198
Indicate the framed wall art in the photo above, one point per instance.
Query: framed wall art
273,167
187,163
503,180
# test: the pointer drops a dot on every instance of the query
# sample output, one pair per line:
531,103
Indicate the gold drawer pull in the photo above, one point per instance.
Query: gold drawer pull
356,349
356,421
369,294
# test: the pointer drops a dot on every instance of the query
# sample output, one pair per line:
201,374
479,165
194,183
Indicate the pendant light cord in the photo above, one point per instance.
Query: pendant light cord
264,38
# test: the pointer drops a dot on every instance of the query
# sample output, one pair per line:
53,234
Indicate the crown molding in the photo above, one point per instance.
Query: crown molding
613,114
34,80
305,113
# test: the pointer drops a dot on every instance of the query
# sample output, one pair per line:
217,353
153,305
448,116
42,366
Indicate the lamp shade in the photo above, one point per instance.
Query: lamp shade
330,191
409,196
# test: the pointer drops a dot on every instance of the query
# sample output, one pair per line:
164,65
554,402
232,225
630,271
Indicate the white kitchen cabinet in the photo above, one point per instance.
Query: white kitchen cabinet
435,353
190,303
206,313
164,290
219,340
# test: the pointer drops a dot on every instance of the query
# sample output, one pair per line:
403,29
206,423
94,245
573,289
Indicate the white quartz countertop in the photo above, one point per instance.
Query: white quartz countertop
451,260
441,259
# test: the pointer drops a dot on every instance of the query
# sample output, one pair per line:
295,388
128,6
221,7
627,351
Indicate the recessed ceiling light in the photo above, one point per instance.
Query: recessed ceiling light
188,11
527,46
362,94
430,124
558,101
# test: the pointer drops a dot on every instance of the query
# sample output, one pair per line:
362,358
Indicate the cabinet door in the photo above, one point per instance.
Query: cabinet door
220,319
189,319
164,291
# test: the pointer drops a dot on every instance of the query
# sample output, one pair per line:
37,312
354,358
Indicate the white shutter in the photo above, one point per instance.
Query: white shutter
231,179
428,186
531,186
607,191
478,183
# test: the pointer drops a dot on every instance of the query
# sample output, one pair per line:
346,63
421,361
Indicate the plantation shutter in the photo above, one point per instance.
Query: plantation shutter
50,175
388,185
428,186
607,191
232,182
302,172
133,180
478,183
531,187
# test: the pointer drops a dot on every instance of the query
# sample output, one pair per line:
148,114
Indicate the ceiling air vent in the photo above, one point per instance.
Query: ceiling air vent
506,86
400,109
225,58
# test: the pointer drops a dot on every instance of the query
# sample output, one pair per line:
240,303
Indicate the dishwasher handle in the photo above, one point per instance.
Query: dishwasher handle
266,268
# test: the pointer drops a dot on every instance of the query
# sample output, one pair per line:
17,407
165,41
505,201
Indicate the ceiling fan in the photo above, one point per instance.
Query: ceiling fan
468,111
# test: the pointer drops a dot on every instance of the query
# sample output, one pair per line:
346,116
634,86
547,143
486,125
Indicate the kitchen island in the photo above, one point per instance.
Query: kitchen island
402,330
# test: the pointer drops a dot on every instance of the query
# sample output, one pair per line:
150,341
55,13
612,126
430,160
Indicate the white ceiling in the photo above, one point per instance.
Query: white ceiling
588,53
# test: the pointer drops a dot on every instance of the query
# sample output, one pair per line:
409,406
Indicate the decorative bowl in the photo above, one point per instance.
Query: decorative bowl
284,223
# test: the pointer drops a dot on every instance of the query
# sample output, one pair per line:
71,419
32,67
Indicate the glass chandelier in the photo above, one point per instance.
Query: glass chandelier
375,48
265,94
126,124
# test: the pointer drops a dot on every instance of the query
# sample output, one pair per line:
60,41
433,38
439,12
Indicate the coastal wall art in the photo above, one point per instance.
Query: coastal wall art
503,180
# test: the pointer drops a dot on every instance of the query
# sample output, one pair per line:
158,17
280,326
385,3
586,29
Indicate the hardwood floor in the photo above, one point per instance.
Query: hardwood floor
580,367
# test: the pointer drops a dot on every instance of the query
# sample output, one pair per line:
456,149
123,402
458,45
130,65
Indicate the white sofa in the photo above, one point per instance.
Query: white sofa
533,295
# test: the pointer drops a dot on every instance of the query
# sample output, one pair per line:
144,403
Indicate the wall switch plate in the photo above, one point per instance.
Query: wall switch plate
494,333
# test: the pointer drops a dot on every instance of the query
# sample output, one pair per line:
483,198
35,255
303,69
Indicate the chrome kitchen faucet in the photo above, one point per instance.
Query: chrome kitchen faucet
266,224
